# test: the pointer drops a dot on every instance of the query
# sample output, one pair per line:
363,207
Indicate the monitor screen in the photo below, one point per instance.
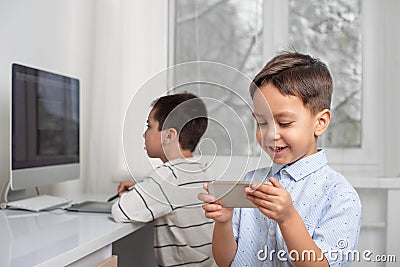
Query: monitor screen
45,127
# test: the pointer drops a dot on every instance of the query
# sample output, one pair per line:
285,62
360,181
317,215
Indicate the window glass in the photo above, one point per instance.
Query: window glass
228,32
331,30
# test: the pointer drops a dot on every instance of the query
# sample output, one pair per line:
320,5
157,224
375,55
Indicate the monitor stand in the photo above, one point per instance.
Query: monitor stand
8,195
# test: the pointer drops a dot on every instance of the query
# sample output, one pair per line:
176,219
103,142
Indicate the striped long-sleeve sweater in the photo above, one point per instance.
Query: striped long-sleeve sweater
168,196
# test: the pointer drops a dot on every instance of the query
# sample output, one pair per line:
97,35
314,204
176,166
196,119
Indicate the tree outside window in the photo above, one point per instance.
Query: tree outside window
231,32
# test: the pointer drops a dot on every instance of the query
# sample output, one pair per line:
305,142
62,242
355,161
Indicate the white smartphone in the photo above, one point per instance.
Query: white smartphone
231,193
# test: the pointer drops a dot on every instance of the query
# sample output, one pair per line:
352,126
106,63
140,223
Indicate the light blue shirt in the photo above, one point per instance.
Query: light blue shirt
327,203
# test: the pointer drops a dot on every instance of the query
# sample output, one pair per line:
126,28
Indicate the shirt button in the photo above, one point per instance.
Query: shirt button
272,232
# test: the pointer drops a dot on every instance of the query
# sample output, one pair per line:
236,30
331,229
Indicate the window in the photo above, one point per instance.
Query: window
331,30
236,43
245,34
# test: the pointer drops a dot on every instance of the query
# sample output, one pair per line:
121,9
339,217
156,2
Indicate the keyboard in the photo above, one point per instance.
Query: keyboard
38,203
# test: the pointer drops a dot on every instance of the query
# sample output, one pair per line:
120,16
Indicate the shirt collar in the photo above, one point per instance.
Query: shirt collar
302,167
177,161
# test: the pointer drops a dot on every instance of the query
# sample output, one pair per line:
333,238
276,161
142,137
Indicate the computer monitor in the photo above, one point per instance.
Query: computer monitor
44,128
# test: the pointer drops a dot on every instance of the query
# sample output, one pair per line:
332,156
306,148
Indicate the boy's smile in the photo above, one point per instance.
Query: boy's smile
286,129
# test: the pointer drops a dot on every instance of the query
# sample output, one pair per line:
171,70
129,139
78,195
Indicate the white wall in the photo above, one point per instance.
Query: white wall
51,35
130,46
113,47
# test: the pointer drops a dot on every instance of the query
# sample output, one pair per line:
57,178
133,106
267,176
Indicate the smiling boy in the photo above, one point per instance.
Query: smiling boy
311,215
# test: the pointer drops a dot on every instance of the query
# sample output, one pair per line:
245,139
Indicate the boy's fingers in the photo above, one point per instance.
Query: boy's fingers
205,186
124,185
270,189
275,182
261,196
206,197
211,207
121,187
213,215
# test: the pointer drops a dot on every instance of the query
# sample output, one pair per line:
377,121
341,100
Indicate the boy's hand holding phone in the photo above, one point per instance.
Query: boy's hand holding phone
274,201
213,209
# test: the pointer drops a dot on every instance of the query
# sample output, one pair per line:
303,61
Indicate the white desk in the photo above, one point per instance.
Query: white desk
56,238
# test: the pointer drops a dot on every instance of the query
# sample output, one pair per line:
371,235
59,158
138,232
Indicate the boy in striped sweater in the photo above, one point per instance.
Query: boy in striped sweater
168,195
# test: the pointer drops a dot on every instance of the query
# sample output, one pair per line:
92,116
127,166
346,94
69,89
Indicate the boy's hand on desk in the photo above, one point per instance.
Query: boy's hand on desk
213,208
124,186
274,201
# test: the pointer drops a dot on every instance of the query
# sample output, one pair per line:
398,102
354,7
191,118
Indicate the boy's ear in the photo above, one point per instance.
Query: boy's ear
169,135
322,121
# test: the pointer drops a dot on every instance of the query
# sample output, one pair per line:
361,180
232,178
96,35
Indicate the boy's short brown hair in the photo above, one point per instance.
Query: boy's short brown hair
299,75
184,112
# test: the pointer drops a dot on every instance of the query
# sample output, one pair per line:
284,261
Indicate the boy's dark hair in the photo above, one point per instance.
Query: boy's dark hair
184,112
298,75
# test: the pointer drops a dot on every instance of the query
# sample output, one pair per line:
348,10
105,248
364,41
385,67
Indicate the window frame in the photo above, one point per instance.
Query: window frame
366,160
372,159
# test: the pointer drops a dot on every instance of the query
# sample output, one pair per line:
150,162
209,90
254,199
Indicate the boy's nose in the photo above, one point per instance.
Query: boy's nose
270,134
